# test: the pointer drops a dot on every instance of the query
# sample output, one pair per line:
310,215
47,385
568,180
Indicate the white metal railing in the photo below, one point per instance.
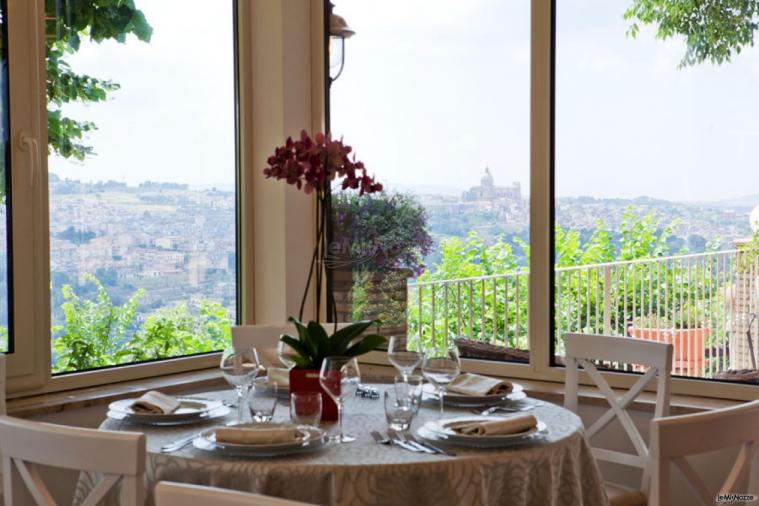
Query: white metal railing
702,303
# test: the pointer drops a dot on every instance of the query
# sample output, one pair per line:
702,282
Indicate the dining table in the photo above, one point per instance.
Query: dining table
553,468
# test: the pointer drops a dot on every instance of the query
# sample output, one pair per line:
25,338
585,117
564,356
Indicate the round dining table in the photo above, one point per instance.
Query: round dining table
555,468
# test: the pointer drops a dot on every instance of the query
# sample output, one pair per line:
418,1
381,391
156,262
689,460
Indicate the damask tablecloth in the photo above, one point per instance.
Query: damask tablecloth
556,470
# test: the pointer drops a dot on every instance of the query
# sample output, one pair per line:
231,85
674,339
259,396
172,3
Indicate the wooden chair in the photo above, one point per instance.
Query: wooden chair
582,349
180,494
264,338
119,456
675,438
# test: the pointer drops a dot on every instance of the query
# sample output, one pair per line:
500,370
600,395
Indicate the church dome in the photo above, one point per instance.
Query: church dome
487,179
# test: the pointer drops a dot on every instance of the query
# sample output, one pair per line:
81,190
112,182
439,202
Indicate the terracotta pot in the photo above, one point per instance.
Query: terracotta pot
307,380
688,345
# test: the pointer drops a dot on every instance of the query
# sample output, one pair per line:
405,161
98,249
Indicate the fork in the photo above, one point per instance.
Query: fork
178,444
401,437
507,409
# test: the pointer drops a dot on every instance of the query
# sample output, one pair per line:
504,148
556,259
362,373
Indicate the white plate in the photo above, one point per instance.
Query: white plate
438,431
188,409
217,413
310,439
471,401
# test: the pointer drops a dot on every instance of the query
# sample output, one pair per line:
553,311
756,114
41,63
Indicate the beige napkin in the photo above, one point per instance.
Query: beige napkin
245,435
155,403
474,384
511,425
279,375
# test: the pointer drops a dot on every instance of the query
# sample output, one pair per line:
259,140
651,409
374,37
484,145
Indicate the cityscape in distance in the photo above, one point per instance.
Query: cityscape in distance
178,243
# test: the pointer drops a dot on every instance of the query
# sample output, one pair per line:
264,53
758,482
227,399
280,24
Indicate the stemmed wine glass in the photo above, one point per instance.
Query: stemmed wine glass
403,355
441,365
240,366
340,377
286,354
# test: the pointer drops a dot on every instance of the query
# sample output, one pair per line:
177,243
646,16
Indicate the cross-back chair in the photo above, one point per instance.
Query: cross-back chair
676,438
25,444
181,494
582,350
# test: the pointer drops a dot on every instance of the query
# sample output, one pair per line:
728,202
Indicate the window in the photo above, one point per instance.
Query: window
141,178
5,288
654,173
435,102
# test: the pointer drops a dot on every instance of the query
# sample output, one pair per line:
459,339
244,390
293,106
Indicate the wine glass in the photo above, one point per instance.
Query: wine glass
286,354
239,366
340,377
403,355
441,365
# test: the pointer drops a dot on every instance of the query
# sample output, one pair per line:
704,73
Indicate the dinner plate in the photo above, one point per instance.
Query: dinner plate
438,430
309,439
471,401
215,414
189,408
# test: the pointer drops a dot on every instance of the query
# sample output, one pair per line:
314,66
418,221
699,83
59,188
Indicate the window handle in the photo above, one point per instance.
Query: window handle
30,144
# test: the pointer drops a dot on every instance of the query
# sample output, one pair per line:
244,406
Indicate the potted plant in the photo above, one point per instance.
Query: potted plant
313,165
312,345
377,242
687,331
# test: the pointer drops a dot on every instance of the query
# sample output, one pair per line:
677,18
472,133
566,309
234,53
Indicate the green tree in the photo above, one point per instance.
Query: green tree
68,24
714,30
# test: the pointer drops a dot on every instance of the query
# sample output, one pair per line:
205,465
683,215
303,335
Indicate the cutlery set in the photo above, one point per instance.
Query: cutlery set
408,442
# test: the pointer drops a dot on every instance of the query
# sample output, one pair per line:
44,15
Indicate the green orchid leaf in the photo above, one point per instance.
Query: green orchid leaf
318,336
367,344
343,337
296,345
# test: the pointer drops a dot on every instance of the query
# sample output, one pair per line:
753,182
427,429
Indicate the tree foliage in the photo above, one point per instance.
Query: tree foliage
714,30
98,333
68,24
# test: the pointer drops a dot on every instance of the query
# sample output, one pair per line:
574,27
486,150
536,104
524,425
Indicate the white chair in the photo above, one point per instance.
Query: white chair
675,438
119,456
581,349
264,338
180,494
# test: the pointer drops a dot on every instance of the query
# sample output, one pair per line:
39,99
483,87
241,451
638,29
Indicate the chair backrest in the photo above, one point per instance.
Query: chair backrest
180,494
581,350
676,437
264,338
119,456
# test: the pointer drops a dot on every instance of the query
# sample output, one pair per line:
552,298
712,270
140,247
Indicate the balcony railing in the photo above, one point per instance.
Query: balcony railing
703,304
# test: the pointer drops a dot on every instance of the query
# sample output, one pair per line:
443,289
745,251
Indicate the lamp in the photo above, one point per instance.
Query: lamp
338,32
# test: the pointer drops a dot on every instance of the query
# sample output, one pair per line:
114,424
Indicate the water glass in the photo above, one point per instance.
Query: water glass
262,399
340,377
410,387
403,354
306,407
441,365
399,411
240,366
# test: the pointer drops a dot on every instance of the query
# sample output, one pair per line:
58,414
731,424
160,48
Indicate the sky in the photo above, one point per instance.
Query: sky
434,91
173,118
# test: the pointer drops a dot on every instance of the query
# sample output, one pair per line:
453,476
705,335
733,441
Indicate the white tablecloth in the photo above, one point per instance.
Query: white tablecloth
557,470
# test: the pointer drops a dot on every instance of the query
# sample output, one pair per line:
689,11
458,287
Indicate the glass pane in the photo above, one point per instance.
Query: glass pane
5,156
142,180
435,102
655,186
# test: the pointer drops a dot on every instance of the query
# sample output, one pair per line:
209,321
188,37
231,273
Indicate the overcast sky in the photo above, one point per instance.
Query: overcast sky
435,90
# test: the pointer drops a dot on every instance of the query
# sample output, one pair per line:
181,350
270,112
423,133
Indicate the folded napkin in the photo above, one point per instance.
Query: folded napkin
155,403
505,426
279,375
474,384
252,435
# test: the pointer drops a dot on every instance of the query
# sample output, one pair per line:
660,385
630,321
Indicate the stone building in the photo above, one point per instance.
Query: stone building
487,190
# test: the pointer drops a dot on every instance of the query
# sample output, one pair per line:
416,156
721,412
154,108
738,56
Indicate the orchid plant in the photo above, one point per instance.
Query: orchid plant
313,165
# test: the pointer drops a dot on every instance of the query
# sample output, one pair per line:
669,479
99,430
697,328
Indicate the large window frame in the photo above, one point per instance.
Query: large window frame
258,26
541,281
